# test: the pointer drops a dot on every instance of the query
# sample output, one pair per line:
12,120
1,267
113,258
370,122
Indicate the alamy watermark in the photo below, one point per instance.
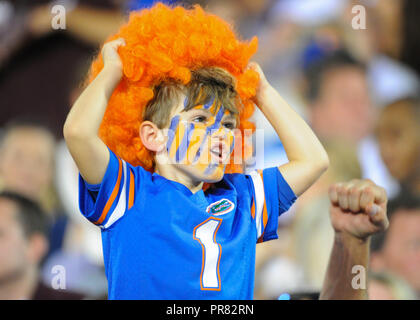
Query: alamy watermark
359,19
58,20
58,281
358,282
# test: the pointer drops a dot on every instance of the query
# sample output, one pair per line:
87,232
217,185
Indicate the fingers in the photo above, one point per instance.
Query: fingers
115,43
109,50
256,67
377,215
367,198
356,195
365,205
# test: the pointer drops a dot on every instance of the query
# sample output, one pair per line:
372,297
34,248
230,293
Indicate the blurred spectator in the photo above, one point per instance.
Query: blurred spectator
398,249
397,30
27,152
23,243
398,134
87,21
38,61
81,250
393,65
340,108
249,16
410,48
338,95
303,12
385,286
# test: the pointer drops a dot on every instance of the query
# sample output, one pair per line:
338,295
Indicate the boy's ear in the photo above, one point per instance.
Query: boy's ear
151,136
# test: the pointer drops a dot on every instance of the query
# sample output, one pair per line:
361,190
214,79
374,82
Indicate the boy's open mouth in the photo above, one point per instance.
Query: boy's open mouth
218,152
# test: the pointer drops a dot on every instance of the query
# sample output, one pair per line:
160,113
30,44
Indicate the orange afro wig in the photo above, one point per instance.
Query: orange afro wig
165,43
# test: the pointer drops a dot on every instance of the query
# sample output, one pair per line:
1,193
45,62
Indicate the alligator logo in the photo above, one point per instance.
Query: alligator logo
220,207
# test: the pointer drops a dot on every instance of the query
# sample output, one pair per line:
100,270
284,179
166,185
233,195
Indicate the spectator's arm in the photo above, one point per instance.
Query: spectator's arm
358,210
88,24
93,25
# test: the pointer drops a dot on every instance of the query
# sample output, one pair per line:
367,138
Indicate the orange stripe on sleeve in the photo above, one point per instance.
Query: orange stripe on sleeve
253,209
265,214
112,197
131,192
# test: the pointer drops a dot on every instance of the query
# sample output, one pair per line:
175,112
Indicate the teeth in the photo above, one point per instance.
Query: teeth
217,151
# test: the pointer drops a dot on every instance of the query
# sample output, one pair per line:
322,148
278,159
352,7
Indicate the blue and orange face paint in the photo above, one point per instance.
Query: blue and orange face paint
189,142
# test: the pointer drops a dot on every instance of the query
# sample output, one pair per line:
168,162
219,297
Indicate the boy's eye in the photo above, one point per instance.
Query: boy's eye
200,119
229,125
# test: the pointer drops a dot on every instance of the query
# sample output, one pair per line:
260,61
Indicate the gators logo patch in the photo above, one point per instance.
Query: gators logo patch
220,207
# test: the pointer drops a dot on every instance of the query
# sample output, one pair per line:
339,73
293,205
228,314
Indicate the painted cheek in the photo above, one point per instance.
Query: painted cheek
188,142
196,140
179,141
231,143
181,151
175,134
184,140
213,124
173,128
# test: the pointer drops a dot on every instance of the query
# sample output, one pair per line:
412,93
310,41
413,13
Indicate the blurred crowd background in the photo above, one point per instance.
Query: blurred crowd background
357,88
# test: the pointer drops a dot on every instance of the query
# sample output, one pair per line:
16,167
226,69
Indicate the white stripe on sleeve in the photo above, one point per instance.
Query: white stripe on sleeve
120,208
259,199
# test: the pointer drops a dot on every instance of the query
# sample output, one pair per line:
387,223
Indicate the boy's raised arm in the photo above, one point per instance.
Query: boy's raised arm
307,157
82,124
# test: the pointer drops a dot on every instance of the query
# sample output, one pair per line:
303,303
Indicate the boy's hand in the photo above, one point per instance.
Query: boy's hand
358,208
307,157
263,85
111,58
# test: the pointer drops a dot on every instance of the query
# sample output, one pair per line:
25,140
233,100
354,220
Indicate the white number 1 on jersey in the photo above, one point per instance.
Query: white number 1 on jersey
205,234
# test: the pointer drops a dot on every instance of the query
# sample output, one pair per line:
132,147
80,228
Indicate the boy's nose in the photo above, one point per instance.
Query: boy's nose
220,133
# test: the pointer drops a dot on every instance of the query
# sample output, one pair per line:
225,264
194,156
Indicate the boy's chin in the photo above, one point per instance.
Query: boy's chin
215,176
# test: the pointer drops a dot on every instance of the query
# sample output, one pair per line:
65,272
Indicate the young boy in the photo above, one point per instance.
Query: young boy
164,237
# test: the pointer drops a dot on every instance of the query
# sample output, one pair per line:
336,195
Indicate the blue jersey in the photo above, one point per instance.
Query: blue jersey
161,241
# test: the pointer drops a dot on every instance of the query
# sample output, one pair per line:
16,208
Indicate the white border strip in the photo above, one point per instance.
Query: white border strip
259,199
119,210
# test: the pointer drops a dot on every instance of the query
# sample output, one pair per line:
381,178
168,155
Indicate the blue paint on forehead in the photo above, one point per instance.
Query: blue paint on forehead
217,122
205,106
209,104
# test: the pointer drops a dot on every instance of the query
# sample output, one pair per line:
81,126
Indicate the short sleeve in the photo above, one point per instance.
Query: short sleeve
105,203
271,196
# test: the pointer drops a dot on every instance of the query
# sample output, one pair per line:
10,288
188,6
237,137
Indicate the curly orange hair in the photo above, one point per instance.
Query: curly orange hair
165,43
